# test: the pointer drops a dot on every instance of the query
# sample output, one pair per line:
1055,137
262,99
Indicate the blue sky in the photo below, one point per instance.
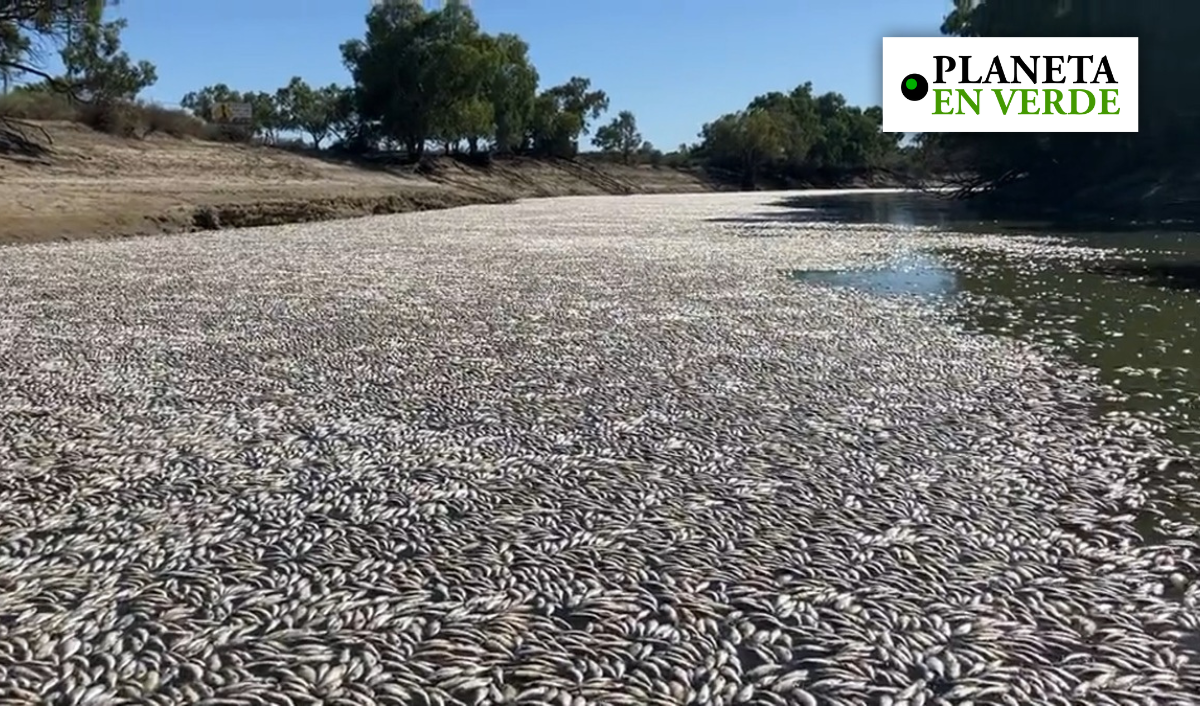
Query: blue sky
675,63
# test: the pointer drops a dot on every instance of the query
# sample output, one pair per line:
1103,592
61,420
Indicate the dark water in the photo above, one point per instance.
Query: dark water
1135,315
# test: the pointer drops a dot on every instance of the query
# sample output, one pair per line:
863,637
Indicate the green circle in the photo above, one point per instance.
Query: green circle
911,84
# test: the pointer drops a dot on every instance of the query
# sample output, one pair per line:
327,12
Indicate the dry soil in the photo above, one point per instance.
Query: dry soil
89,184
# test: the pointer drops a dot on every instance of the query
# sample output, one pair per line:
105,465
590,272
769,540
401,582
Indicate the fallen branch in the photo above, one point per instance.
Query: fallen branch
14,138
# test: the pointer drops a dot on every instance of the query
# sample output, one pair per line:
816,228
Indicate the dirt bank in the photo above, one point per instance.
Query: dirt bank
90,185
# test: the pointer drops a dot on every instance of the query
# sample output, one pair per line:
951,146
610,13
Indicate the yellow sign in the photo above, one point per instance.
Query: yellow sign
231,112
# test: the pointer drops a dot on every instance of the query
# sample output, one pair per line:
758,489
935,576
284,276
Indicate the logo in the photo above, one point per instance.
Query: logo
1010,84
915,87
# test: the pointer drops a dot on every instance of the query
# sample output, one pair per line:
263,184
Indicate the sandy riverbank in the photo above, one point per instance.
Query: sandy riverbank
92,185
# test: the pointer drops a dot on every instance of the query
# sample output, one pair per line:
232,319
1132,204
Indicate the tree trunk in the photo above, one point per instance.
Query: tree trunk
748,173
473,145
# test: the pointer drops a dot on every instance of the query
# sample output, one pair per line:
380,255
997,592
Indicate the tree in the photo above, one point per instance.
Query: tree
552,131
393,73
651,154
97,68
759,138
308,110
746,139
621,136
201,102
462,59
511,89
574,98
798,120
561,114
28,24
422,76
471,119
1052,168
345,121
13,47
797,136
265,119
25,27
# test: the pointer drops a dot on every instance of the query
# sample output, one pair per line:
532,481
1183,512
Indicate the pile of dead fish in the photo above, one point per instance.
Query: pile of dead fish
575,451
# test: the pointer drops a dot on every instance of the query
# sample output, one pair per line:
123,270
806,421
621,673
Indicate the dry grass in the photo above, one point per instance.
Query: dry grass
124,119
31,105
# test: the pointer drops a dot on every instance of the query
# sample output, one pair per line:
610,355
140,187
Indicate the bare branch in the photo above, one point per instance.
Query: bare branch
14,128
56,83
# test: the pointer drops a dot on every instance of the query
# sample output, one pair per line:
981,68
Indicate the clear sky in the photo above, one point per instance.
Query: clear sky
675,63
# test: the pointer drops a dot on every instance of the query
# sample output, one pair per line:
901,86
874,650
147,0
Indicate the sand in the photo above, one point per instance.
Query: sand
92,185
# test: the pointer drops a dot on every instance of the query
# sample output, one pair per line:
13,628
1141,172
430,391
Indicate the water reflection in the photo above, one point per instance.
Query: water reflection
916,273
938,210
890,207
904,211
1134,316
1173,275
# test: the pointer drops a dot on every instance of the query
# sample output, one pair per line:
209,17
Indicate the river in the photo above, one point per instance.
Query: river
1133,316
662,449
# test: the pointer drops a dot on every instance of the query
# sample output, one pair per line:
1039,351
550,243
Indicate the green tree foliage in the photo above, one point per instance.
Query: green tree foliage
14,46
423,76
462,62
318,113
651,154
511,89
312,111
575,97
1052,167
798,136
561,115
344,119
26,25
621,136
201,102
98,70
393,73
745,140
551,130
266,118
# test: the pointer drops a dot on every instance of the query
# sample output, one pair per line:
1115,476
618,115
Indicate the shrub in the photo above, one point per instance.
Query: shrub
176,123
36,105
216,132
113,117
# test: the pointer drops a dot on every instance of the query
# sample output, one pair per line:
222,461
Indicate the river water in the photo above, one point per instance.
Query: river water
601,450
1133,316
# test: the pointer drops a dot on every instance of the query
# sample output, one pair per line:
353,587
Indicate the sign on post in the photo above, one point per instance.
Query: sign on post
232,112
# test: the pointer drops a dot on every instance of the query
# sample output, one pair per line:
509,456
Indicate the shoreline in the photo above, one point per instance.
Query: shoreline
88,185
93,186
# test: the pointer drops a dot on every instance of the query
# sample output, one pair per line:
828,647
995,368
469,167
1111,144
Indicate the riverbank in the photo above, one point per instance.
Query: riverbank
88,184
